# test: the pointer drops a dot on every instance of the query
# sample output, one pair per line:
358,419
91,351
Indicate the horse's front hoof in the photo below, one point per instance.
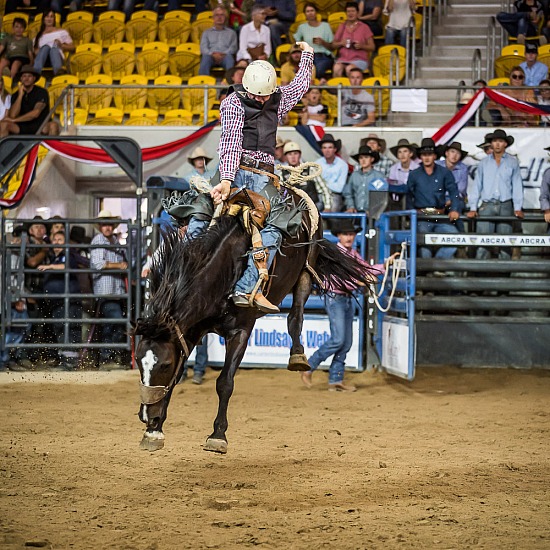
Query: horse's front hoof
215,445
152,441
298,362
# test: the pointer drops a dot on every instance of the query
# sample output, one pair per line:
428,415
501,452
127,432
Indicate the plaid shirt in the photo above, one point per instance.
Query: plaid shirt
232,120
384,165
105,283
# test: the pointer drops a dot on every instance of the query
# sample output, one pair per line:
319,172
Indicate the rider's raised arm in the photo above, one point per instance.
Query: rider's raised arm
231,140
293,92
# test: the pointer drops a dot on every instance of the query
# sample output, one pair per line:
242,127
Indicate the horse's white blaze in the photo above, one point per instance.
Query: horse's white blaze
148,362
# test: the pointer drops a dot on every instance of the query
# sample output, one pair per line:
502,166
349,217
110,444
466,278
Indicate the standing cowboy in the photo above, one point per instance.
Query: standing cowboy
249,118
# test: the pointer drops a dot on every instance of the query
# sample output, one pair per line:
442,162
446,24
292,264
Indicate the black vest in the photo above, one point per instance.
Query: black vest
260,121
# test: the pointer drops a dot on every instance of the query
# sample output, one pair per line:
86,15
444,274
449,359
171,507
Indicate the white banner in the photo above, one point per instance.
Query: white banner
464,239
528,147
269,344
411,100
395,346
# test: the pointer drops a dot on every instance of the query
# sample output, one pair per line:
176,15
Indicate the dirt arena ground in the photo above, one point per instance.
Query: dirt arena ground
456,459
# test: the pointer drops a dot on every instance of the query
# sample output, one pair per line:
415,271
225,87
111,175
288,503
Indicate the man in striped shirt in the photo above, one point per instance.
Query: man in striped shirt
249,118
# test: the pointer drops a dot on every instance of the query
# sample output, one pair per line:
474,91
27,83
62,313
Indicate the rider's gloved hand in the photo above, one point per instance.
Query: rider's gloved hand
305,47
221,191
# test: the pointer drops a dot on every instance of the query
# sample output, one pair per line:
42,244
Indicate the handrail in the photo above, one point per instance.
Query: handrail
476,65
460,91
410,53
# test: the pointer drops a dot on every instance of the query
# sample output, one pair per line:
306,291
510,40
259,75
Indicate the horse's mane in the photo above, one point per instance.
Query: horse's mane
180,270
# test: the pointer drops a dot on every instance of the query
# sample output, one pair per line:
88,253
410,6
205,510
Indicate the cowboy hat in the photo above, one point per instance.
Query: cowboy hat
78,235
279,142
198,152
454,145
106,214
345,225
427,146
486,142
329,138
30,70
366,150
404,143
381,141
501,134
291,146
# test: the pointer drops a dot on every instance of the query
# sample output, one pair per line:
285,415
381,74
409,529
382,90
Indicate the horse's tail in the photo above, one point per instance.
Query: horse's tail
340,271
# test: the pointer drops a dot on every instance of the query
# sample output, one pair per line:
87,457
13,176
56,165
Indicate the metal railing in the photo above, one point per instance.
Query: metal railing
476,65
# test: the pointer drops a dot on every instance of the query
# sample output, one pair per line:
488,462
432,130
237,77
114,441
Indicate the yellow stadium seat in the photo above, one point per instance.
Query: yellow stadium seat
401,51
112,14
120,60
177,117
86,60
130,99
94,98
198,27
7,20
381,97
514,49
185,61
81,31
80,15
152,61
57,85
499,82
80,117
505,63
382,66
336,19
41,82
336,81
141,31
213,114
174,31
162,97
109,31
193,99
544,49
281,53
145,14
143,117
107,117
544,58
292,119
178,14
204,15
38,19
418,22
8,84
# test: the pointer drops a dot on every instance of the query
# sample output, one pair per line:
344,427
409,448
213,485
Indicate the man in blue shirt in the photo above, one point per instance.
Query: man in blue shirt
535,71
499,186
335,171
429,186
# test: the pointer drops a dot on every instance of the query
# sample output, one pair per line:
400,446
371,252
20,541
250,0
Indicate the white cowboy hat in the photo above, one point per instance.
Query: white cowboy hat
107,214
198,152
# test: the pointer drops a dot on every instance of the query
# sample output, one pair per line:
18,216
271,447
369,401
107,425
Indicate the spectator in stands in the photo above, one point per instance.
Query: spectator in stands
254,39
378,144
16,333
354,42
335,170
357,104
314,113
454,155
280,14
198,159
239,12
30,107
290,67
218,44
316,188
54,284
405,153
370,12
54,226
534,70
523,21
499,186
429,186
319,34
544,99
5,100
279,149
16,49
400,13
544,196
232,76
51,44
363,180
509,116
109,285
128,6
23,5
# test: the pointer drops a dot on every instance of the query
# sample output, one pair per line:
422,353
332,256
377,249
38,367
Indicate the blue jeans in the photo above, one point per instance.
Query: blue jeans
271,236
340,315
444,252
516,23
494,209
207,62
14,335
323,63
201,357
391,35
57,59
110,333
127,6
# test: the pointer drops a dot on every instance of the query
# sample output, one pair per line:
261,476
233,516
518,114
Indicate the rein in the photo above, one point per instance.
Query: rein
153,394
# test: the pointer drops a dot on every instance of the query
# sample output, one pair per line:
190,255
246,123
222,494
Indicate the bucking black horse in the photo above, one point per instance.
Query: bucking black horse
191,282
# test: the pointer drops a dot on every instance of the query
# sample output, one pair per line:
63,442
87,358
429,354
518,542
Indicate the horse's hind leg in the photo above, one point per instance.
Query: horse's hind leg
235,347
300,294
